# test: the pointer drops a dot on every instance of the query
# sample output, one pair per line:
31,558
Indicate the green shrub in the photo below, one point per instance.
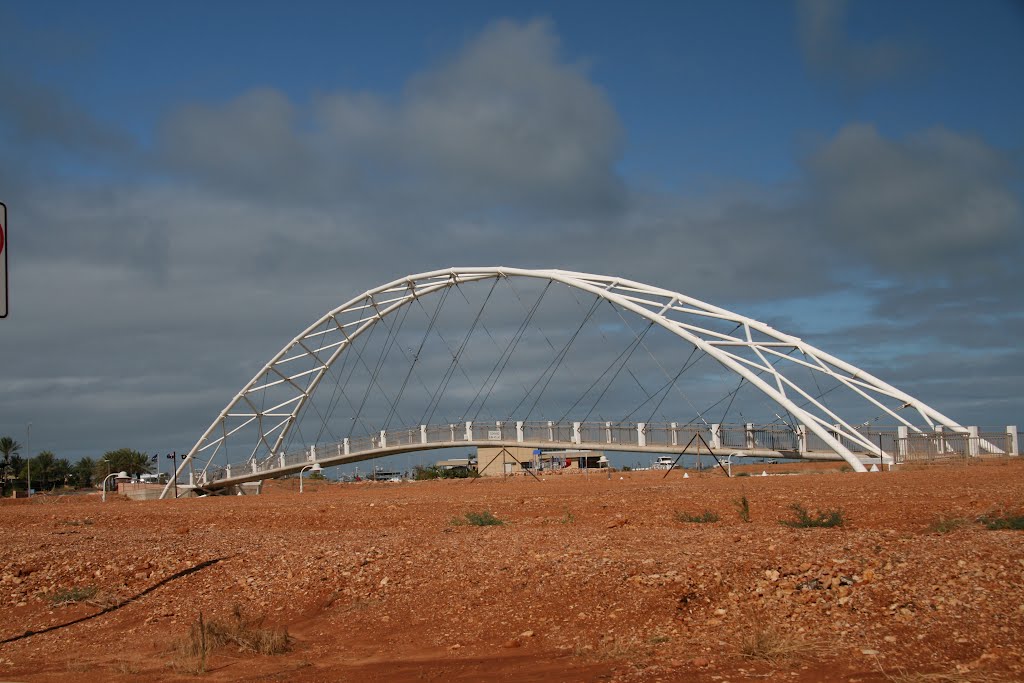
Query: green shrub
69,596
802,519
1001,522
484,518
703,518
421,473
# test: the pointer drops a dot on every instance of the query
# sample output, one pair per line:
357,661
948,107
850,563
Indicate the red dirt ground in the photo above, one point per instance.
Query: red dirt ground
589,579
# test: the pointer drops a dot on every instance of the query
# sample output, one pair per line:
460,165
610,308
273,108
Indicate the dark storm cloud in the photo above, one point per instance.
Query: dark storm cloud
35,115
830,51
936,202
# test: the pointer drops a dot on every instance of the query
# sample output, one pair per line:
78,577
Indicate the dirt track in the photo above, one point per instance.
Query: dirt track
589,579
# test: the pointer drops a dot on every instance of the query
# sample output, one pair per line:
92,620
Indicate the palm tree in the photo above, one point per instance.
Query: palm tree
124,460
61,471
42,467
83,471
8,450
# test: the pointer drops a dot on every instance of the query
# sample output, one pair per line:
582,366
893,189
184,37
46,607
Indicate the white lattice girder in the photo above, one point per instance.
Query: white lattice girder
327,339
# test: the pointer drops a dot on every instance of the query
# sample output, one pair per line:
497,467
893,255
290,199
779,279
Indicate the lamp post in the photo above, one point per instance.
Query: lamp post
28,451
174,471
107,478
315,467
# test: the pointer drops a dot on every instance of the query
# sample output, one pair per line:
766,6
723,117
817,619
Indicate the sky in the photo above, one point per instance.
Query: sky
190,185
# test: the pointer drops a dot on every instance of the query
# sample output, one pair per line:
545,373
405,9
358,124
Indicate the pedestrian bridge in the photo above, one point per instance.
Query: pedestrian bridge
619,365
745,440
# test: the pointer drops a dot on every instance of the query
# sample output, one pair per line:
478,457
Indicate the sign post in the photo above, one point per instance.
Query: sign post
3,260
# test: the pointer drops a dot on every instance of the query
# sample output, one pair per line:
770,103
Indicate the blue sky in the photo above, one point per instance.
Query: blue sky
719,90
847,170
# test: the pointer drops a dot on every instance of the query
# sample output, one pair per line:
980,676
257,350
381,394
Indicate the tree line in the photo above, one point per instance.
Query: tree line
49,472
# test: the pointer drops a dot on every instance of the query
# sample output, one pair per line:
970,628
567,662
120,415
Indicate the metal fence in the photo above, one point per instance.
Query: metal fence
944,446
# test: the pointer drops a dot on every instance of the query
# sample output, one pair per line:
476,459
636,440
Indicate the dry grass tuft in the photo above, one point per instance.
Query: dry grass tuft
945,525
246,633
771,645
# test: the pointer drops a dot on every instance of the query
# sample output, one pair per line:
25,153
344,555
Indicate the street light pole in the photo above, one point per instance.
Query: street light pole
107,478
28,484
315,467
174,471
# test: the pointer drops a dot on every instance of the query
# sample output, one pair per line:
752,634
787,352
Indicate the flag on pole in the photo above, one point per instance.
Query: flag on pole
156,457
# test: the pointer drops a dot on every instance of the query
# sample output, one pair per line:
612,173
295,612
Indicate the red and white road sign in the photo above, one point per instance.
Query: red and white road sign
3,260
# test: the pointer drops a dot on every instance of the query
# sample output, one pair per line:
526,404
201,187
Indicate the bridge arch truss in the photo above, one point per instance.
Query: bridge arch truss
267,408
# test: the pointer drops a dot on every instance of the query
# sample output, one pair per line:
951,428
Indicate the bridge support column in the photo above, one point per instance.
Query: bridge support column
641,434
801,439
940,440
383,439
748,435
716,436
423,433
192,478
675,433
902,442
452,428
227,470
469,431
551,430
973,447
345,445
608,432
1012,447
312,453
519,431
280,459
576,433
255,467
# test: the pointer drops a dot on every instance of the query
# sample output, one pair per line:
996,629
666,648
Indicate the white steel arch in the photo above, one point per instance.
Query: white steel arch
753,352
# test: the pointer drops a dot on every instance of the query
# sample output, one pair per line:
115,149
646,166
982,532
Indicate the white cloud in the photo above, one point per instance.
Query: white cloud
505,122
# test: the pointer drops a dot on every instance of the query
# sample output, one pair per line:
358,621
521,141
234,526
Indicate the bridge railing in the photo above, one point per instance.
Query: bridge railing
674,434
942,445
899,441
885,436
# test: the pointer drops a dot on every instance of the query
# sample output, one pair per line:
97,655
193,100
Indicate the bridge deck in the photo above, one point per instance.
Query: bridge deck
290,467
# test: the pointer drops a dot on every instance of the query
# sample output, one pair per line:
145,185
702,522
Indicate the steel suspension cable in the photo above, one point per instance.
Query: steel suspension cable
503,360
611,381
458,354
623,356
557,361
664,389
419,352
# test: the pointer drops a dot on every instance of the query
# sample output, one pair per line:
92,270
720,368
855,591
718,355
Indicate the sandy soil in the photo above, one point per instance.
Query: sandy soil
588,579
